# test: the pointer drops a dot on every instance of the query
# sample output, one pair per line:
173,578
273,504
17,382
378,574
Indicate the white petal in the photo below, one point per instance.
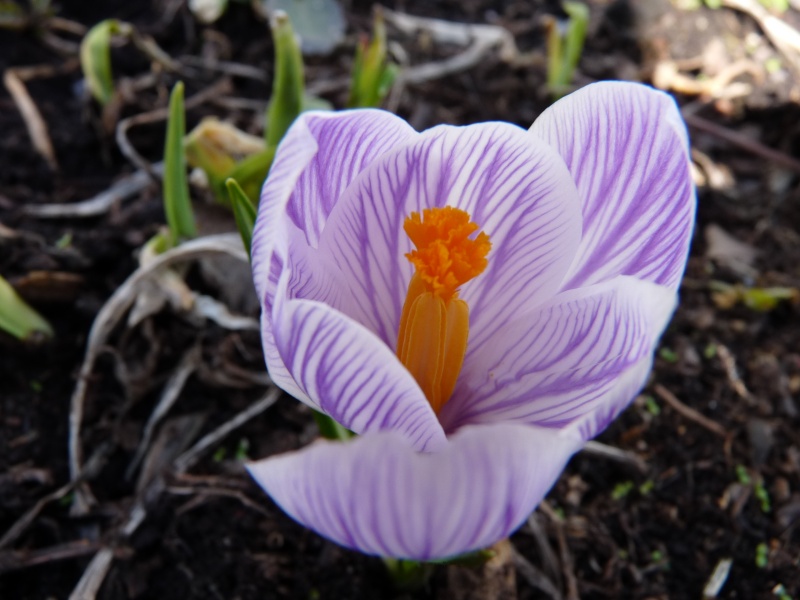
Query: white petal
377,495
626,146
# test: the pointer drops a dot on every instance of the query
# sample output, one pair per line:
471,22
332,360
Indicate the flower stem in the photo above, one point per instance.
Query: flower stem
330,429
408,574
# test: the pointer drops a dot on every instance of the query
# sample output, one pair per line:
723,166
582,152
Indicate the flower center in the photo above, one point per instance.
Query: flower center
434,326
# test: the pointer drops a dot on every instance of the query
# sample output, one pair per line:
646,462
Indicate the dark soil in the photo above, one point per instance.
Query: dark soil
727,488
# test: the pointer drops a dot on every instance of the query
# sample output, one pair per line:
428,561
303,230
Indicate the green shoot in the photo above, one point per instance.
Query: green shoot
96,58
243,210
564,50
668,355
177,204
288,87
652,406
216,147
251,172
372,74
241,450
621,490
330,429
762,555
19,319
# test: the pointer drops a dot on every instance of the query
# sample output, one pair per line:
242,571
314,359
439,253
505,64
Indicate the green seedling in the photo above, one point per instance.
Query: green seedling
726,296
762,495
19,319
217,148
288,86
177,203
243,210
652,406
564,47
95,55
668,355
762,555
759,491
647,487
621,490
372,75
241,450
96,58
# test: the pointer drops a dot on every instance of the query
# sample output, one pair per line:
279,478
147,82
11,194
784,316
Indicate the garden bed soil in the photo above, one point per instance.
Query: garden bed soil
693,492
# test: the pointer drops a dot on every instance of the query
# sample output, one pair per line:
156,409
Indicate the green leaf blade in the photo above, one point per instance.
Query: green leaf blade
18,318
243,211
95,56
177,203
288,88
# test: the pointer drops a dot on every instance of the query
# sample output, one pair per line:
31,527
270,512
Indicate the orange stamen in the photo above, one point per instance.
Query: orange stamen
434,325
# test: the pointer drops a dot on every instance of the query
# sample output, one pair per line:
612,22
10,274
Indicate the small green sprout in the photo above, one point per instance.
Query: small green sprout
656,556
36,385
762,555
762,495
759,491
95,55
288,87
773,64
621,490
177,203
219,454
243,210
96,58
241,450
647,487
652,406
372,74
65,241
668,355
564,47
18,318
742,475
710,351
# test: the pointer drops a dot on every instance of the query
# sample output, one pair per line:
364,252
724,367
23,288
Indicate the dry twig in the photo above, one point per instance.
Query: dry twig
689,412
14,79
102,202
111,314
188,459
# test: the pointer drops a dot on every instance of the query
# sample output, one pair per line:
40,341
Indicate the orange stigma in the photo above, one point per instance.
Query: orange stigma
434,326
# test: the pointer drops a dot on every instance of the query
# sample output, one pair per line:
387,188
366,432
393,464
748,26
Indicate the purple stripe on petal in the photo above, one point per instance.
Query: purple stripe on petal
379,496
318,158
518,191
560,362
349,373
347,142
626,146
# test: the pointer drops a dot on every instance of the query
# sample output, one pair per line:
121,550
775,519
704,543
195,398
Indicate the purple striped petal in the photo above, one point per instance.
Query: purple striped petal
565,360
626,146
376,495
349,374
518,191
318,158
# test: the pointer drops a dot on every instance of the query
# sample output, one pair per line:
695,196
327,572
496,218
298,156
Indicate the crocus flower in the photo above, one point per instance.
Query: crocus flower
475,302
